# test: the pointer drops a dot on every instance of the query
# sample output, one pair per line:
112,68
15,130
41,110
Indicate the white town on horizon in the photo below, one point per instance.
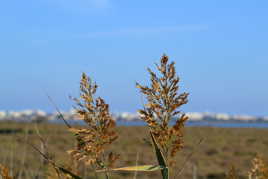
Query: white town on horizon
31,115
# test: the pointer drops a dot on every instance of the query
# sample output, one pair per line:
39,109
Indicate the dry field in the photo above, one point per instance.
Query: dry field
221,148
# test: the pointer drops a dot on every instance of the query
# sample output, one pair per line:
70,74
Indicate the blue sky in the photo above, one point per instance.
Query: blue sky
220,49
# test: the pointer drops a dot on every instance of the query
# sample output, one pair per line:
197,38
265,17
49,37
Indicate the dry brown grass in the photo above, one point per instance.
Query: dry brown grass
232,174
222,148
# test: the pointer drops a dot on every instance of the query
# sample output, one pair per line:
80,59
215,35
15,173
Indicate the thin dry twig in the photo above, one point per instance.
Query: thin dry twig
232,174
58,111
137,159
188,158
24,153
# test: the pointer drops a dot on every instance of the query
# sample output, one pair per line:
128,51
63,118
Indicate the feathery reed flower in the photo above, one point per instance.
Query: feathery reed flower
259,168
4,172
93,141
162,106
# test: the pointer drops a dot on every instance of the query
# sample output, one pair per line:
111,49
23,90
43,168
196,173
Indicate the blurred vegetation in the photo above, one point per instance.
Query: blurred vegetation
222,148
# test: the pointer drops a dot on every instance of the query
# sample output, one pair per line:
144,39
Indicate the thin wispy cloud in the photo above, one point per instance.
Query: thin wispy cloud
82,5
100,3
145,31
142,32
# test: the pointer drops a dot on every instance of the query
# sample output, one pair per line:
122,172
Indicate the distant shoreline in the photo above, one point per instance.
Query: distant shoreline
202,123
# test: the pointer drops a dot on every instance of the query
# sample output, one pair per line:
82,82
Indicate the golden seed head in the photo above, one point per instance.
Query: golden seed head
163,101
4,172
259,168
93,141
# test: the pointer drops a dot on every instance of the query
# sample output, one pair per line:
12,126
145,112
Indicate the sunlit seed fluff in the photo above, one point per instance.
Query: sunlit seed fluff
92,142
163,101
259,168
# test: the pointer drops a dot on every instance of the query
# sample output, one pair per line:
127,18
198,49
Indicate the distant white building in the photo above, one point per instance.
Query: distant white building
27,112
128,116
3,114
265,118
14,114
40,113
244,118
222,116
195,116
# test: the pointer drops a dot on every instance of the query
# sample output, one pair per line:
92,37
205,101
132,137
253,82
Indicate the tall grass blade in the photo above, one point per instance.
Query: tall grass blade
141,168
160,158
63,170
56,166
179,172
58,111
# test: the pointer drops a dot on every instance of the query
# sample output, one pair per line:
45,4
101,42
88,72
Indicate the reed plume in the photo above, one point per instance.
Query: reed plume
259,169
4,172
163,102
93,141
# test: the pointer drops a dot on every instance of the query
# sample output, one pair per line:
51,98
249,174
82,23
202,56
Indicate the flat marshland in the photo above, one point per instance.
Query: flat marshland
220,149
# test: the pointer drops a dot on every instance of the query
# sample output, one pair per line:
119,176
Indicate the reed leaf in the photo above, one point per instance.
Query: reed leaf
141,168
160,158
65,171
